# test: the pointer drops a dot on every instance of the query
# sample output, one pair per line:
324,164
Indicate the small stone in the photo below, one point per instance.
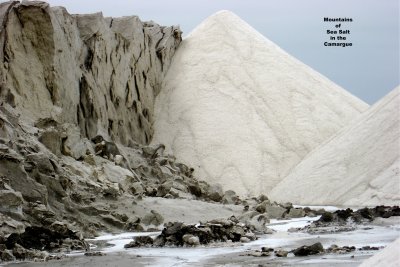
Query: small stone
215,193
94,253
262,198
191,240
164,189
251,236
136,188
118,159
19,252
281,253
244,239
89,159
230,197
261,208
266,249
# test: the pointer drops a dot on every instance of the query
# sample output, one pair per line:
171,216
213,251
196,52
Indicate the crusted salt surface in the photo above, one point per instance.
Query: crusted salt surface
242,111
389,257
359,166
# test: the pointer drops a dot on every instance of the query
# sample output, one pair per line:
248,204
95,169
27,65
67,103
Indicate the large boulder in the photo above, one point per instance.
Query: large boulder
191,240
230,197
74,144
296,213
52,139
309,250
10,200
275,211
215,192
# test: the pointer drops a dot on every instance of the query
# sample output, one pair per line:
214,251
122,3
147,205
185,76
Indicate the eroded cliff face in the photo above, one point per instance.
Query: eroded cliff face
64,80
99,73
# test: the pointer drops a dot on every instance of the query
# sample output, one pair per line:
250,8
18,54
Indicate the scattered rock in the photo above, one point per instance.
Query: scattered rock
164,189
108,218
191,240
340,250
10,200
347,220
368,248
94,253
262,198
296,213
251,236
275,211
153,218
40,238
309,250
258,223
230,197
134,225
213,231
140,241
195,189
281,253
326,217
244,239
6,255
136,188
261,208
153,151
105,149
51,138
215,193
75,145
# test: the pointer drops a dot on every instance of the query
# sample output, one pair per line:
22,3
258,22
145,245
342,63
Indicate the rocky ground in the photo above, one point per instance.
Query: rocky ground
58,187
51,201
280,248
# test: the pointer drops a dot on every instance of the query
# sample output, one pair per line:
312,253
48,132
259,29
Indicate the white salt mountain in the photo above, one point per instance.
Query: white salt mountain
359,166
242,111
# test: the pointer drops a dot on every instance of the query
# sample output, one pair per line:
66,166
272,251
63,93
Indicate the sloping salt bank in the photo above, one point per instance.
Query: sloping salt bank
389,257
242,111
359,166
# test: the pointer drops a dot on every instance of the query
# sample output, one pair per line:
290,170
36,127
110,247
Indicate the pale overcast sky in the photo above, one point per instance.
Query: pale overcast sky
369,69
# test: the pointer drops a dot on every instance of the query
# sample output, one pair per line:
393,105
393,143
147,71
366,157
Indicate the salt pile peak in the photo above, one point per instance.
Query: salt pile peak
359,166
241,110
